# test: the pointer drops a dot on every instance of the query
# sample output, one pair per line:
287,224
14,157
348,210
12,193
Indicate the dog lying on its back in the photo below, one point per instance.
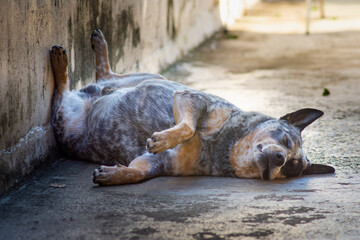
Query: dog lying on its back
148,126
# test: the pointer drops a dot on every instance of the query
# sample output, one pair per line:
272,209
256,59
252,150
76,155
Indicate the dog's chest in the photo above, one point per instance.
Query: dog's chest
71,114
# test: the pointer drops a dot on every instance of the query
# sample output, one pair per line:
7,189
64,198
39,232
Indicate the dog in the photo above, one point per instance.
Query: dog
142,125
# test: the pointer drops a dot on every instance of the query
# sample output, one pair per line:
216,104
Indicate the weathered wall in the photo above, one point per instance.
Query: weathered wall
143,35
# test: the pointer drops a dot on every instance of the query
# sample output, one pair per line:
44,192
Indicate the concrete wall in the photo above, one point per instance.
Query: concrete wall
143,35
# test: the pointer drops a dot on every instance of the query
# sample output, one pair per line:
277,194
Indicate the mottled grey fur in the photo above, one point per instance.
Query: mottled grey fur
118,123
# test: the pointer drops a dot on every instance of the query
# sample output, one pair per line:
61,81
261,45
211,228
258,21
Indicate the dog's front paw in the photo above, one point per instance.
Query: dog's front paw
117,175
158,142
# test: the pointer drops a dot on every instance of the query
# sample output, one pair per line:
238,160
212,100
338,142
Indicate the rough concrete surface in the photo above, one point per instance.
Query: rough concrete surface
268,71
142,35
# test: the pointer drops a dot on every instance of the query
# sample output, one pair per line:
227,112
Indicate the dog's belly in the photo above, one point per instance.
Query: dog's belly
118,124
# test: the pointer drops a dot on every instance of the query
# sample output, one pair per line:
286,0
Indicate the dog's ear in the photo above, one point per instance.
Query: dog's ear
303,117
318,169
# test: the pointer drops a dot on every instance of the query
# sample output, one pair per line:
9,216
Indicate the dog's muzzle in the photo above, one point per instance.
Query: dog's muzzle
271,159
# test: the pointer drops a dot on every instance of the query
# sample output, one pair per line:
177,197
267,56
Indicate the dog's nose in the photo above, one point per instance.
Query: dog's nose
276,158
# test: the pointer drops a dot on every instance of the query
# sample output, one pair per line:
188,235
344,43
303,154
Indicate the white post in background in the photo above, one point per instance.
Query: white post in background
308,13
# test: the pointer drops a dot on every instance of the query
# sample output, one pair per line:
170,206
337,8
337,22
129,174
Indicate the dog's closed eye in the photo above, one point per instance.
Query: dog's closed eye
286,141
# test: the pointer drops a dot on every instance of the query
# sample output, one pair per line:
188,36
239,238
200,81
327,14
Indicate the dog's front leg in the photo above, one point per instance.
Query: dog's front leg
187,108
141,168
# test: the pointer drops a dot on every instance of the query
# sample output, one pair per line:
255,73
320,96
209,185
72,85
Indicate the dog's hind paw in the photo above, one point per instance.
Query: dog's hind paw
59,58
97,40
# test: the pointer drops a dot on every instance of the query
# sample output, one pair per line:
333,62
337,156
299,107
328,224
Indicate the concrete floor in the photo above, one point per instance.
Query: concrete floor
267,71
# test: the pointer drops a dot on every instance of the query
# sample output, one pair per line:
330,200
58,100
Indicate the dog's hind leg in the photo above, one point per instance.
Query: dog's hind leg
59,63
103,70
99,45
141,168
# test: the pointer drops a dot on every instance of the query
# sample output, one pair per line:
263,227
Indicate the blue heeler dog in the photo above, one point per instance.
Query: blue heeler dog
146,126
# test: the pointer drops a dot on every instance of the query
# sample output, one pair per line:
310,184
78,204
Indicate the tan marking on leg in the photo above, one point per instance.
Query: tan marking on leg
186,157
59,63
141,164
216,119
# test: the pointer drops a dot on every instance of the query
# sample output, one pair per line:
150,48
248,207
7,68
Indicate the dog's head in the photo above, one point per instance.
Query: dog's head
274,149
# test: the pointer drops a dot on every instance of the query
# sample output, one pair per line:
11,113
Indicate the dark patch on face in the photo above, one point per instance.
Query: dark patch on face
292,168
